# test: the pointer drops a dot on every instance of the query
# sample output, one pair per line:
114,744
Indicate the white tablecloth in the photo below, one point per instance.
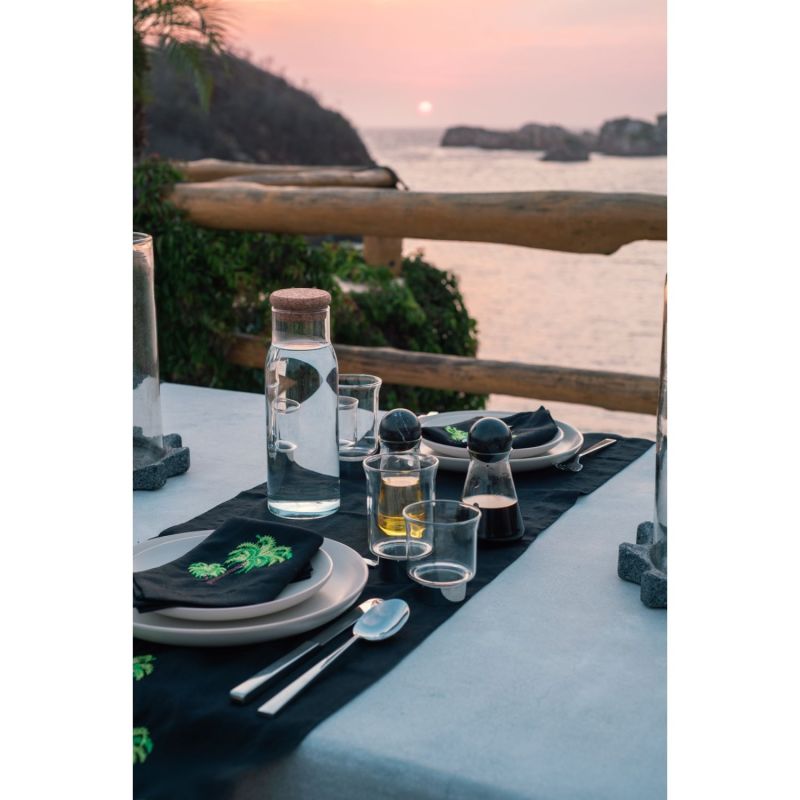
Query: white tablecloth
549,684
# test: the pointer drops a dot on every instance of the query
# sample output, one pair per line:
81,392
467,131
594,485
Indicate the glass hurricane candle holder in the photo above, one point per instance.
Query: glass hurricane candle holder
148,441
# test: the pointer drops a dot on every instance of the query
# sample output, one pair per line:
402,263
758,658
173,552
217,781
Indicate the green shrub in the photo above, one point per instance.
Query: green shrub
212,283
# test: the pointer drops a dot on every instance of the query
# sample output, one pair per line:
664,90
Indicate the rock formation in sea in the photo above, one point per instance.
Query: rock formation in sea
254,116
618,137
528,137
633,137
570,148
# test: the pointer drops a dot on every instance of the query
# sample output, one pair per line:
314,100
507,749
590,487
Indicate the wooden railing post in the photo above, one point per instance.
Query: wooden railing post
383,251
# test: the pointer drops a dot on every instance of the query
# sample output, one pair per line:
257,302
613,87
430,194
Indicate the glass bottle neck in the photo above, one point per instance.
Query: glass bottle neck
301,329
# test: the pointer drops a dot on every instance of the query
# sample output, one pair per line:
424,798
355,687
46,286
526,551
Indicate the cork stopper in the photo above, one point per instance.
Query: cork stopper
300,300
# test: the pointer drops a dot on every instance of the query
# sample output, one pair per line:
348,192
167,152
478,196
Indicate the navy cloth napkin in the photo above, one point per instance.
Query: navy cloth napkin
244,561
528,429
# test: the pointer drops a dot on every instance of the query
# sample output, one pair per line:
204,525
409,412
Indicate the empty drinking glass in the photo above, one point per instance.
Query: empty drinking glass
393,482
365,389
442,543
347,421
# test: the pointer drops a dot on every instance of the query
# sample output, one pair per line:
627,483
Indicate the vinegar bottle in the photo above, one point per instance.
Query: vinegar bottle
490,485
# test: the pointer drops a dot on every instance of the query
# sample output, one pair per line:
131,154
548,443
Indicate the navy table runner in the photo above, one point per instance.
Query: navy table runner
190,740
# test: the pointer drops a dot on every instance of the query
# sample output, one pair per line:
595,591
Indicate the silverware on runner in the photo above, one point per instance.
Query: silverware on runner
247,689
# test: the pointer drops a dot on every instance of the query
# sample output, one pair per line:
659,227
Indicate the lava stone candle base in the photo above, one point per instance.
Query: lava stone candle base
174,462
634,565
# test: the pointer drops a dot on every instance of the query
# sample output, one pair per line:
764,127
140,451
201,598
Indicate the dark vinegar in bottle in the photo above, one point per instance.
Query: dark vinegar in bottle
501,518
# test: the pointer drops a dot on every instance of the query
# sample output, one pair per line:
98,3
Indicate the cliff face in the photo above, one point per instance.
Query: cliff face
254,116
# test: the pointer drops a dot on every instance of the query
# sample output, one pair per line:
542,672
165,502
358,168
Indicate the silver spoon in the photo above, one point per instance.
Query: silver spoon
371,562
380,622
574,464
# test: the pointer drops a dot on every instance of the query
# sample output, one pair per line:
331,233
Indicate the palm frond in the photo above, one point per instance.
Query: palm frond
203,571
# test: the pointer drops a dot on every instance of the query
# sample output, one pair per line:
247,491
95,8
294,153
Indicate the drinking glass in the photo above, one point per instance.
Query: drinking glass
393,482
365,389
442,545
347,421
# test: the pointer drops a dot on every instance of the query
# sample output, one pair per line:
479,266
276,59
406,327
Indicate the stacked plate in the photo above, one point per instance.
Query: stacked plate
338,576
565,444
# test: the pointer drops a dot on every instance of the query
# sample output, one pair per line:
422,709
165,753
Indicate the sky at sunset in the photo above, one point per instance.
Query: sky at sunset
431,63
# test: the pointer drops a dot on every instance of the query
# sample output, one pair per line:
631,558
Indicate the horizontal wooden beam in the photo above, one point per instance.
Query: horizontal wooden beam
575,222
376,178
616,391
213,169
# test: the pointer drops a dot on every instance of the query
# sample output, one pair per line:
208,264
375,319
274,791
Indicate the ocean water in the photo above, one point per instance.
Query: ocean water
538,306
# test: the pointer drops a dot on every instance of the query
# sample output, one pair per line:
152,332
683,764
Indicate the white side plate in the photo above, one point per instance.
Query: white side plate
567,447
348,578
454,417
164,549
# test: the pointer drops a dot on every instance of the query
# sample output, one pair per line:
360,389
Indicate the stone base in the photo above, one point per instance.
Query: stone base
634,565
174,462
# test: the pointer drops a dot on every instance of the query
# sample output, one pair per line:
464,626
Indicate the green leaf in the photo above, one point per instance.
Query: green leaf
203,571
142,745
142,666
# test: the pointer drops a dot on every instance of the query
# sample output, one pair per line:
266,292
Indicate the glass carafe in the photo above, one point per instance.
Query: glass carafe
301,378
490,485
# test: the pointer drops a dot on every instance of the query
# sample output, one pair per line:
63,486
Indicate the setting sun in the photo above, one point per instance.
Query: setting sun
425,107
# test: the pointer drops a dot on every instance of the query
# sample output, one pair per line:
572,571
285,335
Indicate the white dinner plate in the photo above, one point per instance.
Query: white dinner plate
567,447
449,418
348,578
164,549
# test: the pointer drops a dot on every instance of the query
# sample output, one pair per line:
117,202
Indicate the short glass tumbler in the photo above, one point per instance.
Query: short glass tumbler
393,482
442,544
366,390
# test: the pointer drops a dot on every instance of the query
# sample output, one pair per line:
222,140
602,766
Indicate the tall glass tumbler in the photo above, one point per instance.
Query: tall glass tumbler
366,390
394,481
148,443
442,544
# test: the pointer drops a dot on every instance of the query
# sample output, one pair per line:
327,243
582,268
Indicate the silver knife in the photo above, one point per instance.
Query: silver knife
247,689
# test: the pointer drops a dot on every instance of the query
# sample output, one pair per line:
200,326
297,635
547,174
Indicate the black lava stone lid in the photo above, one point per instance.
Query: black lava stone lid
489,439
400,429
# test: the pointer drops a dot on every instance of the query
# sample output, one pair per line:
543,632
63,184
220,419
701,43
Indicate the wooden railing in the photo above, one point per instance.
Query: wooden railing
617,391
353,201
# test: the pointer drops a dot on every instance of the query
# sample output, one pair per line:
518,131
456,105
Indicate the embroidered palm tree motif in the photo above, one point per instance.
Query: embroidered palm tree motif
142,666
247,556
456,435
142,745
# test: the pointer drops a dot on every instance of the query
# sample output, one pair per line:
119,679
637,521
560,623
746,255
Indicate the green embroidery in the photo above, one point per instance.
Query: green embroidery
142,666
264,552
203,571
142,745
456,435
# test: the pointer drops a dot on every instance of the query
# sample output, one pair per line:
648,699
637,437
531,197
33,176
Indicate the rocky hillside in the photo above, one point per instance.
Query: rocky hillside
254,116
619,137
